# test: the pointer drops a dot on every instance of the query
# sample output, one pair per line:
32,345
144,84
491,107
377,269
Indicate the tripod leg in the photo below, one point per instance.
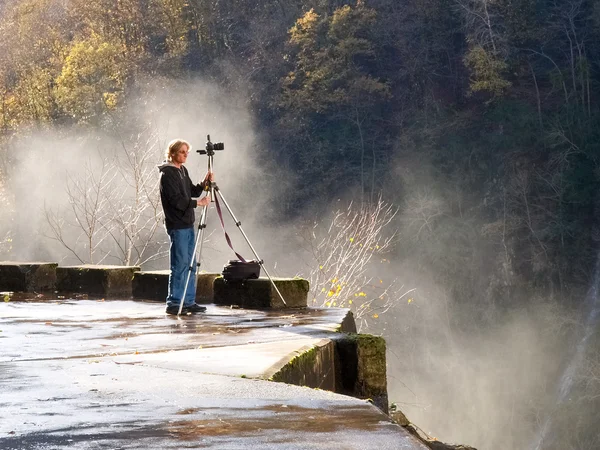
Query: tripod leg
239,225
200,239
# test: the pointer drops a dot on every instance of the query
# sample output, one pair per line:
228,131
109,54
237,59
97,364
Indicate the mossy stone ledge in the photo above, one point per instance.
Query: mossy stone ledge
205,287
154,285
27,277
102,281
260,293
362,370
311,366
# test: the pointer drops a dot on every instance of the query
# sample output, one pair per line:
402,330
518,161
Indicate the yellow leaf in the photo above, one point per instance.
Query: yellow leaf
351,239
410,300
362,294
328,304
321,267
349,302
375,316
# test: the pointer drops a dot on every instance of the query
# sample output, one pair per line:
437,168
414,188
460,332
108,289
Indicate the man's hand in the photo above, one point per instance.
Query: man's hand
204,201
210,177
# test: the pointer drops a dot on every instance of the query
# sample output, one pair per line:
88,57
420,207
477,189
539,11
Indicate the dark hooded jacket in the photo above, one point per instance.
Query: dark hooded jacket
176,192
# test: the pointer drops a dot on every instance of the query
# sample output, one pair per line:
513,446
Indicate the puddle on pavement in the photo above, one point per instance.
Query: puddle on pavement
291,418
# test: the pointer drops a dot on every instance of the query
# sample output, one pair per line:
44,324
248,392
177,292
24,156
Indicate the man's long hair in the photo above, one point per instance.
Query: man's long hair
174,147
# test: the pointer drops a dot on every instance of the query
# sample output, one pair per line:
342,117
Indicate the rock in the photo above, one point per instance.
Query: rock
399,417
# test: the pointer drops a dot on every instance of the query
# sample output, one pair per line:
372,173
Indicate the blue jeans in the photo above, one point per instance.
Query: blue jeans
180,255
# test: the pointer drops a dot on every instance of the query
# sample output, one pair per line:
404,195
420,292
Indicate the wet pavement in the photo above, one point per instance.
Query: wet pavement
90,374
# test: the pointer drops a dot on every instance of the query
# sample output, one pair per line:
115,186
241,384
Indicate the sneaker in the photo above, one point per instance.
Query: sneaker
174,310
196,308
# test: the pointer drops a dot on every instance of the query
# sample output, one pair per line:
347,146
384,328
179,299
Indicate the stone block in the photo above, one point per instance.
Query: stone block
260,293
27,277
150,285
154,285
205,287
101,281
361,368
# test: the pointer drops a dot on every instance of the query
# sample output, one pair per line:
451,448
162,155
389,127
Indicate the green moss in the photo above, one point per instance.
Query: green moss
372,362
377,343
297,365
294,285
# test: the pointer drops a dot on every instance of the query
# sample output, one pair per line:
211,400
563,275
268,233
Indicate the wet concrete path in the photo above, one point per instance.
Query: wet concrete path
119,374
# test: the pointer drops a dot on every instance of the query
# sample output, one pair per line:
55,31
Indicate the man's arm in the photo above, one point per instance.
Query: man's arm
197,189
200,187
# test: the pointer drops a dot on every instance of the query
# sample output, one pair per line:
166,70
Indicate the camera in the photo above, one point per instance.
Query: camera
210,147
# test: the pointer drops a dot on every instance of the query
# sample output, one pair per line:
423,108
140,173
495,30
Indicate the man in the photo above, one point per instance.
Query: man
178,198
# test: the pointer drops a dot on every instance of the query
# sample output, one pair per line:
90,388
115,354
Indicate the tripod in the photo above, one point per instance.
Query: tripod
216,194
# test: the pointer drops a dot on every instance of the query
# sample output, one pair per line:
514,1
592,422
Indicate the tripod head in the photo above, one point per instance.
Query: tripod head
210,147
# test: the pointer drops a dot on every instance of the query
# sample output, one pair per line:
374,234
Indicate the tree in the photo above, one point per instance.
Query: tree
114,208
32,38
346,255
331,83
93,78
488,51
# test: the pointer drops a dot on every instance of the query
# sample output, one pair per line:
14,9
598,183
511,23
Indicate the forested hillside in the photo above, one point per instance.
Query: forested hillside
477,119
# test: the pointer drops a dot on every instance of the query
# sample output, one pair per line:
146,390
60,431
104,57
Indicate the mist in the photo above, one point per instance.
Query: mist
473,358
61,166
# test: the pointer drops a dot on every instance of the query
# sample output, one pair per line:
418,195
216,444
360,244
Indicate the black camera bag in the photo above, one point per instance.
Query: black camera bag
237,270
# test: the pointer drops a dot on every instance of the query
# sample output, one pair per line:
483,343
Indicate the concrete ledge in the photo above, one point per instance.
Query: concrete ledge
105,281
151,285
154,285
313,366
261,294
27,277
361,369
205,287
129,356
352,364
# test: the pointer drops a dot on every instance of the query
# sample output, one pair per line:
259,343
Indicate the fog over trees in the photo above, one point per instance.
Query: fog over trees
471,127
